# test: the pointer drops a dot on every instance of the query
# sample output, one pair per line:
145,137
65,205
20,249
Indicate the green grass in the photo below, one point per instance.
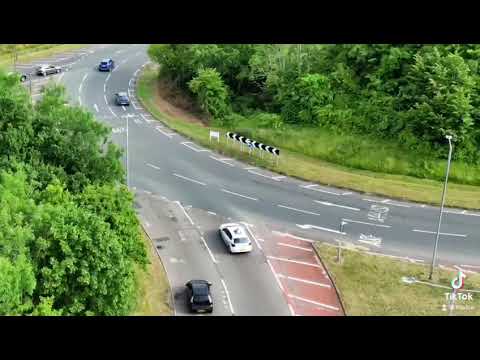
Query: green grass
35,51
153,298
296,164
371,285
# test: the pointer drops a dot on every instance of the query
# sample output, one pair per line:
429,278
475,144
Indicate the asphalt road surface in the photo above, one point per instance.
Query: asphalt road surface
163,163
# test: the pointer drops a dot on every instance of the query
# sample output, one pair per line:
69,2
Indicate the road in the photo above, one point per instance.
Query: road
163,163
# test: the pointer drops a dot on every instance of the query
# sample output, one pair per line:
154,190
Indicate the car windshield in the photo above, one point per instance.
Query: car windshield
241,240
104,62
200,290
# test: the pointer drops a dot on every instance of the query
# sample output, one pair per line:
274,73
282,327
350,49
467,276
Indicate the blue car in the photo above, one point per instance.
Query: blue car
106,65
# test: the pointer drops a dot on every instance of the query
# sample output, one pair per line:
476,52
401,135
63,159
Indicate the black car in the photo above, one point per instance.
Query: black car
121,98
199,298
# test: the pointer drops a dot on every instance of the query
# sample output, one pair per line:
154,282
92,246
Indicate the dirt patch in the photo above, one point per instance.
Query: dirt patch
175,103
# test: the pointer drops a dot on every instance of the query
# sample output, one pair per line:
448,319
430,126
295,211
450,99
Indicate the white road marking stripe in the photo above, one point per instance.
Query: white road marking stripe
60,77
137,121
314,302
109,108
278,177
124,109
145,118
211,212
299,210
291,309
192,148
181,207
96,107
188,179
153,166
332,204
307,226
136,107
228,296
293,261
252,235
249,168
275,275
105,97
79,100
320,190
105,87
295,247
256,173
471,266
304,281
169,135
434,232
240,195
136,72
387,201
366,223
108,77
208,249
293,236
222,161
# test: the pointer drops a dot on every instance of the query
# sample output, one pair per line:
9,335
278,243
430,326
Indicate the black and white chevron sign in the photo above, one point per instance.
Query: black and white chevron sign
243,139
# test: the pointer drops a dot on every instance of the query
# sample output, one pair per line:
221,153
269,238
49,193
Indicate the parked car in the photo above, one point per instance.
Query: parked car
106,65
45,70
121,98
235,237
199,298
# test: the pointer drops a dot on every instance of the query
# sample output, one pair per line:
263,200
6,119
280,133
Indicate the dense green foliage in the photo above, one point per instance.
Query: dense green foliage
69,237
408,95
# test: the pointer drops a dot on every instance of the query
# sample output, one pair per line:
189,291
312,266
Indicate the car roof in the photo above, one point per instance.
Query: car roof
236,230
122,93
106,60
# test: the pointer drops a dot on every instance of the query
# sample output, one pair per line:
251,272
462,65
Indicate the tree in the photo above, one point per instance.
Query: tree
211,92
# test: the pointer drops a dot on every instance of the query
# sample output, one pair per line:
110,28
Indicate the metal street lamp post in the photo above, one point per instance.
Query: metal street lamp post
449,138
339,249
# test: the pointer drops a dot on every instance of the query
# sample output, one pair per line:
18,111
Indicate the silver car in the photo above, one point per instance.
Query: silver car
45,70
235,237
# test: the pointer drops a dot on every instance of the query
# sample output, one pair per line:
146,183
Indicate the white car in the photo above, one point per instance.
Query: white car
235,237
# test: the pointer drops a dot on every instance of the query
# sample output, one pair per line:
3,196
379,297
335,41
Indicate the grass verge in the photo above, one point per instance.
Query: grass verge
300,166
32,54
372,285
153,287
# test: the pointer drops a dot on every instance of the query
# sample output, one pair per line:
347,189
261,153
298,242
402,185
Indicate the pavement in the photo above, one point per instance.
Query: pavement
164,163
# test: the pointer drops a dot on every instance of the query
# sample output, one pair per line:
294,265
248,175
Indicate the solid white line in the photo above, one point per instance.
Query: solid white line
291,309
294,261
188,217
147,120
79,100
366,223
108,77
295,247
299,210
275,275
96,107
433,232
105,97
169,135
304,281
192,148
136,107
256,173
222,161
388,202
153,166
130,82
278,177
208,249
105,87
252,235
320,190
307,226
211,212
293,236
228,296
249,168
124,109
314,302
136,72
188,179
332,204
236,194
109,108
